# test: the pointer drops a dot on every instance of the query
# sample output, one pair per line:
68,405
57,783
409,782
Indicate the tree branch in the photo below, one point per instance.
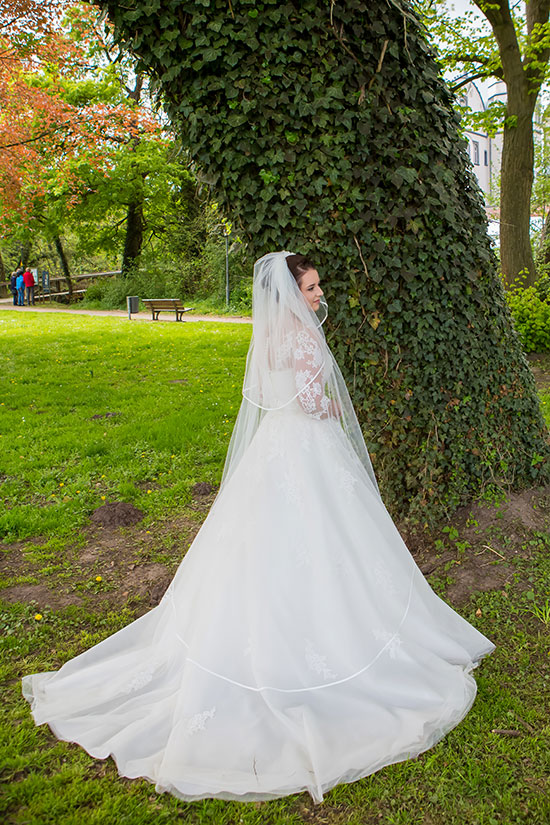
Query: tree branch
499,16
33,139
454,87
340,38
470,58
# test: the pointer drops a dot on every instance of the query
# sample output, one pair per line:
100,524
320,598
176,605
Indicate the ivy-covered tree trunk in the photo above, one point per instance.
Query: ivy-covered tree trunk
324,128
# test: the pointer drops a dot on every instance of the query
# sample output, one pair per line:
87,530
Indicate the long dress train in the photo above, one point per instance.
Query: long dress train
297,647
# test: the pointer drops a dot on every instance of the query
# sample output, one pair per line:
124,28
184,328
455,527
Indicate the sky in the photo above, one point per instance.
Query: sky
458,7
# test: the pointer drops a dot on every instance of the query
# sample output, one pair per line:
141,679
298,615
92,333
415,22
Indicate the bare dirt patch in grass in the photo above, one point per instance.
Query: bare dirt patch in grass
477,554
116,549
539,363
116,514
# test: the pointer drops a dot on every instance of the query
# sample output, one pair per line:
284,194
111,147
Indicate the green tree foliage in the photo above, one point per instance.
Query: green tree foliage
512,44
325,128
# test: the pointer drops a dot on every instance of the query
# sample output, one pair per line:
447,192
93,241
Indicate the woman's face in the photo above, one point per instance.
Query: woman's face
310,289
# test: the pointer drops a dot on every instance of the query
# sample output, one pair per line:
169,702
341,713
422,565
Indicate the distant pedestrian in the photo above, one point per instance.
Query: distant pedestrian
13,287
20,284
28,277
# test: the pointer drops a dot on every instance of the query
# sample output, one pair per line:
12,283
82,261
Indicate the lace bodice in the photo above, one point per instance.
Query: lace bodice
309,375
299,375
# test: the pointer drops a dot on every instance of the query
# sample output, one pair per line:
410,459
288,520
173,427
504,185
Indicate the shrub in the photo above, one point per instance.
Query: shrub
531,315
96,291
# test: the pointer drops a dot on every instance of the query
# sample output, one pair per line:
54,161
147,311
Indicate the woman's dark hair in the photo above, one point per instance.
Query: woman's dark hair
298,265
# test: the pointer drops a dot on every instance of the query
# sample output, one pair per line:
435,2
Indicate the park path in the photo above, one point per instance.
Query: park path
6,303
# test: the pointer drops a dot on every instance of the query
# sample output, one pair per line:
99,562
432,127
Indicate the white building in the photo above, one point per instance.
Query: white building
485,151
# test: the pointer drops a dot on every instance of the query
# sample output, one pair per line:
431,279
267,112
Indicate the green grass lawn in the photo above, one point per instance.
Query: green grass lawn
97,410
94,409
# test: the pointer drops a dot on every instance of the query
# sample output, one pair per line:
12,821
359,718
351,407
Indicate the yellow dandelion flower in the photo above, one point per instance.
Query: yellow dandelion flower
38,617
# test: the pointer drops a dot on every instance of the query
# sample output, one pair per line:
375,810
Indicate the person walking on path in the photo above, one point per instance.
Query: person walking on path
20,284
13,287
28,278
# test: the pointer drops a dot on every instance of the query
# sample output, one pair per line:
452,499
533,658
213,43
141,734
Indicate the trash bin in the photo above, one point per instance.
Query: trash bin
132,302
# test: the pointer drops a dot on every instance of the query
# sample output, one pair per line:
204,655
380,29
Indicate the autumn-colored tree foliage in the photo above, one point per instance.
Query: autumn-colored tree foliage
55,110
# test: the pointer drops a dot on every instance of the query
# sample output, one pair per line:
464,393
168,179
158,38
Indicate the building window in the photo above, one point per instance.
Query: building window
485,158
475,145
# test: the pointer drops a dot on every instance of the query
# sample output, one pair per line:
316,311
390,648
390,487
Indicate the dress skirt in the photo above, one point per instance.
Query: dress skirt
297,647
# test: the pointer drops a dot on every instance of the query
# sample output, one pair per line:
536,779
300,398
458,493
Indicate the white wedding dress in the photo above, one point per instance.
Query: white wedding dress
298,645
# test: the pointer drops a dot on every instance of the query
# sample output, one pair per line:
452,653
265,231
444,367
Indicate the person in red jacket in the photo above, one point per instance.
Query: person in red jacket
28,277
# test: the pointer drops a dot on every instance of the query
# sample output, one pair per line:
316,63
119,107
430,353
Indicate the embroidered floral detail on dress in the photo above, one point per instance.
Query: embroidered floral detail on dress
307,345
383,579
140,679
327,437
303,430
325,404
392,641
346,481
290,487
318,663
197,723
274,445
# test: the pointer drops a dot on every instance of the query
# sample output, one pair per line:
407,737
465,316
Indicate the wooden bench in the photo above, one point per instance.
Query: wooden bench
157,305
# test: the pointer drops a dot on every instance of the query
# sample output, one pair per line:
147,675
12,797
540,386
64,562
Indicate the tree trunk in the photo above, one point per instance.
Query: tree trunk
25,252
516,183
64,265
345,147
135,224
543,251
134,235
516,177
523,76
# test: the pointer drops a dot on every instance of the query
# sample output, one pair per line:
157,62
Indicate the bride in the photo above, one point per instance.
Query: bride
298,645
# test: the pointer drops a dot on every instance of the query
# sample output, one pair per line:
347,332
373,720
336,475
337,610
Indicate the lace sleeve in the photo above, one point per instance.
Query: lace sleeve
308,375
